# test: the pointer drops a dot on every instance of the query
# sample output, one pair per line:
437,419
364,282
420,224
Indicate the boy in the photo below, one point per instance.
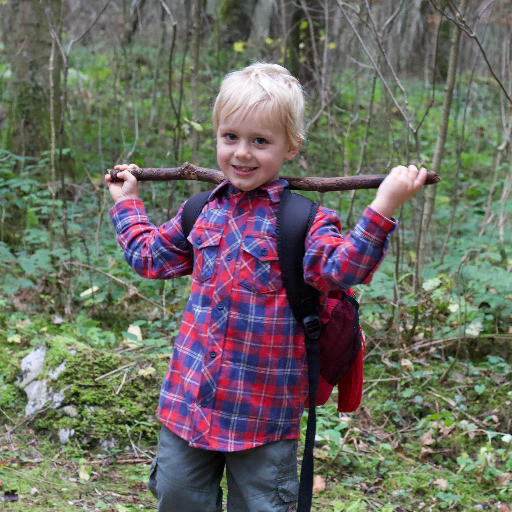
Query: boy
236,385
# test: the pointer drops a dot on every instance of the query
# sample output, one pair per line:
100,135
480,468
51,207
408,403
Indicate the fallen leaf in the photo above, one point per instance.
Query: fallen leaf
503,479
83,473
424,452
446,431
400,452
319,484
426,439
89,291
136,334
407,364
505,507
442,483
147,372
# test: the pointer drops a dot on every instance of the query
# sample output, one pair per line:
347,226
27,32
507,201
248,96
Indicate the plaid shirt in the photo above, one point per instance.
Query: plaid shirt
238,374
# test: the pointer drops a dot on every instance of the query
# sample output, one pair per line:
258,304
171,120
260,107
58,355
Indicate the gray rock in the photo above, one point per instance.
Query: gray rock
32,365
65,434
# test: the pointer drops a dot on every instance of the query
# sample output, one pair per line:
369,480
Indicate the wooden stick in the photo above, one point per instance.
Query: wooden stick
189,171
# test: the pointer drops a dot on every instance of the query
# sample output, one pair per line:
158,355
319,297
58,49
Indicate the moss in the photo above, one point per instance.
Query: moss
11,396
118,406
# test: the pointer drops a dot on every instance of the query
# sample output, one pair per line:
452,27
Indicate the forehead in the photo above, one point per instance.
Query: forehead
258,119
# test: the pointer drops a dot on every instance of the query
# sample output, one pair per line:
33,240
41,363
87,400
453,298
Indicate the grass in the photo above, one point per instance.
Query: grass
415,444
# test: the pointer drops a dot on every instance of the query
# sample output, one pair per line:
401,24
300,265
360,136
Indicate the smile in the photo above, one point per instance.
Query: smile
243,168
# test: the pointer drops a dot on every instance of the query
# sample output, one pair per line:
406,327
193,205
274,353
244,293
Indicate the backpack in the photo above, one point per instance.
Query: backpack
333,336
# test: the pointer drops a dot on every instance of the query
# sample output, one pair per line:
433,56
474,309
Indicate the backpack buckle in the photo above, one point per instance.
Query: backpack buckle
312,326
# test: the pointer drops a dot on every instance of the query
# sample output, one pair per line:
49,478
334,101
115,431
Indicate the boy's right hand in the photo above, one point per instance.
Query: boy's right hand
126,189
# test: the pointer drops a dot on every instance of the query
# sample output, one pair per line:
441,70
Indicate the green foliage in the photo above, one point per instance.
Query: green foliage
64,283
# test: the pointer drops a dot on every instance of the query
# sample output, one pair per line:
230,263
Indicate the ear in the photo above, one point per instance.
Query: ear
293,150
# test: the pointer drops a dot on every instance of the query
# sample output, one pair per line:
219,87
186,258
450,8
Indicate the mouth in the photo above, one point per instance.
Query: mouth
243,169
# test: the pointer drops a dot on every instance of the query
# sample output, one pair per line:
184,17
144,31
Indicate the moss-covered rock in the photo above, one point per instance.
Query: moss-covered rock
105,398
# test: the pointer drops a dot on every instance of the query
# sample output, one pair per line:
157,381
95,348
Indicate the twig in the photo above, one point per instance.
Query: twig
6,415
117,370
472,35
377,70
122,383
452,404
85,32
130,286
420,345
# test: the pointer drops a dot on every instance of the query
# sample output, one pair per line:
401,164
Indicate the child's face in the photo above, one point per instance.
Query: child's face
251,150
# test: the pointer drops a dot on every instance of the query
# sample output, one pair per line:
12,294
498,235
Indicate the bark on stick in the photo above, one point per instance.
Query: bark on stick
189,171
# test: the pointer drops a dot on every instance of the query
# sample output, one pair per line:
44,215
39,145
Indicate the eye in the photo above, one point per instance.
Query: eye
230,137
260,141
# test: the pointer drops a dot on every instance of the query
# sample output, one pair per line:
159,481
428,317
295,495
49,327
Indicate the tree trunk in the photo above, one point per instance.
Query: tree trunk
28,44
425,241
199,7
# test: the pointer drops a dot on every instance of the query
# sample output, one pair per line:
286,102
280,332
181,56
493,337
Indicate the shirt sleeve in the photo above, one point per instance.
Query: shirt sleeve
336,261
153,252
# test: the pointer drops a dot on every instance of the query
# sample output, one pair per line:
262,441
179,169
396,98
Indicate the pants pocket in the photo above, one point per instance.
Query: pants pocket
152,477
288,483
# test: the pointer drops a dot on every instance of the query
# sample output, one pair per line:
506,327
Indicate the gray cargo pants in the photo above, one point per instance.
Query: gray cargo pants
186,479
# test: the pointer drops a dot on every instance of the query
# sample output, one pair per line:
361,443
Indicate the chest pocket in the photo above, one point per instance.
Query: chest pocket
206,241
259,265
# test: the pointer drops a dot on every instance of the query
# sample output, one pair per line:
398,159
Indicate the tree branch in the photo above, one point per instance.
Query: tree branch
189,171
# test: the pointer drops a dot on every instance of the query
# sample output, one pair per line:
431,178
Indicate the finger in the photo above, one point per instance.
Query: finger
126,175
421,178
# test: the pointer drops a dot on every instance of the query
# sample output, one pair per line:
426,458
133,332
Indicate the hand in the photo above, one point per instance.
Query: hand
126,189
399,186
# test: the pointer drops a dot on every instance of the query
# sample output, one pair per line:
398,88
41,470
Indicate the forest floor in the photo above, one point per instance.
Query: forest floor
433,433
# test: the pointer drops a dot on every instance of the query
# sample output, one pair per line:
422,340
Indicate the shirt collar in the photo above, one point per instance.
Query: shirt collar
274,190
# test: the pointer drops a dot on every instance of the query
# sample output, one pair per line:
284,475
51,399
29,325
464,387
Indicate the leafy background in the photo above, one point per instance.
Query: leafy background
433,432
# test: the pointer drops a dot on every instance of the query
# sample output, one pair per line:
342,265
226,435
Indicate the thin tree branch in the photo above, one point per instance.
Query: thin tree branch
378,71
86,31
461,23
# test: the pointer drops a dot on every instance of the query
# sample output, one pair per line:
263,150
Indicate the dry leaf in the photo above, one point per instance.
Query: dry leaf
503,479
505,507
446,431
134,330
89,291
407,364
442,483
319,484
147,372
83,473
424,452
426,439
400,452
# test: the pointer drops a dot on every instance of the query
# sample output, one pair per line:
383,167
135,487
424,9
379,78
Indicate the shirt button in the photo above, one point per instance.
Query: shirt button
198,240
213,354
241,210
220,306
204,403
229,257
264,252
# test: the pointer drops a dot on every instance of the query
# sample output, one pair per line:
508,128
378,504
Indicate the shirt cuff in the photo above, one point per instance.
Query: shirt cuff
124,212
374,227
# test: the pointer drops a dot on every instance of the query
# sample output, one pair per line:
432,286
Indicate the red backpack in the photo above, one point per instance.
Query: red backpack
333,337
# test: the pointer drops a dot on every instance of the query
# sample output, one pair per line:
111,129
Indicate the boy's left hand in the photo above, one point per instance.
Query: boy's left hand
400,185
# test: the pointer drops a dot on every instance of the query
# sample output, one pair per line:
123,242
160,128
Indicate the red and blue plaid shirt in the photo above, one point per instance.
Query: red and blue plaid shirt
238,373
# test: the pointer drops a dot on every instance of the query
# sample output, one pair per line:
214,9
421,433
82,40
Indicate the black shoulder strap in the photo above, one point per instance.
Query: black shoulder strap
295,217
191,210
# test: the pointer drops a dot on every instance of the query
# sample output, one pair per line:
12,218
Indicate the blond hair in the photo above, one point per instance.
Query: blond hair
269,87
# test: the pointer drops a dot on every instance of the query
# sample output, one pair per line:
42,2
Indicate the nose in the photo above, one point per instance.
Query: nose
242,150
